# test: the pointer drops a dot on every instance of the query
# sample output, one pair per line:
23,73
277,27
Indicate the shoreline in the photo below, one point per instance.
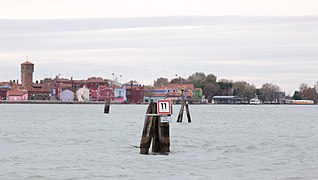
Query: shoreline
52,102
102,102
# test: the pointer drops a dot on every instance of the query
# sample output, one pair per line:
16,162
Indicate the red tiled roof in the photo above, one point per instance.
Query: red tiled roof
27,63
96,80
65,86
64,80
115,86
8,84
79,81
39,89
17,92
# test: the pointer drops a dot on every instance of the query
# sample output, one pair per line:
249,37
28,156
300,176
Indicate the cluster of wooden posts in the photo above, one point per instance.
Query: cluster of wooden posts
156,130
185,105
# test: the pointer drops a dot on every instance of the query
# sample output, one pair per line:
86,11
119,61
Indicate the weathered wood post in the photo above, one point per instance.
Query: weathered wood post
148,130
155,130
107,106
164,137
185,105
180,116
188,112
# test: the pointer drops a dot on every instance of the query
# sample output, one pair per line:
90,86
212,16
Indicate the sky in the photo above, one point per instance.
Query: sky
257,41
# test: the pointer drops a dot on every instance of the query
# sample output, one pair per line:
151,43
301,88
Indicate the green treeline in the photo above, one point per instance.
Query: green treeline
224,87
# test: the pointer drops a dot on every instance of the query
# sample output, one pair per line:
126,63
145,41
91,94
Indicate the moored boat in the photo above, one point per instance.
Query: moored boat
302,102
255,100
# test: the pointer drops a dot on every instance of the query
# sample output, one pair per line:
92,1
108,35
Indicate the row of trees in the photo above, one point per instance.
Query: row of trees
306,92
224,87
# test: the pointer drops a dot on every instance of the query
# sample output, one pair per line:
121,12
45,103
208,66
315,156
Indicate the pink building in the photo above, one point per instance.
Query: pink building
104,92
17,95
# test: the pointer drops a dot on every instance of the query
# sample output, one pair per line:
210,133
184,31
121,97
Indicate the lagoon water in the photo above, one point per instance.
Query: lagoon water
222,142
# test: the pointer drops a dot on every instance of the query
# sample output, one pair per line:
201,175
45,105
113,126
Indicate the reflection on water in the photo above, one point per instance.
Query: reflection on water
222,142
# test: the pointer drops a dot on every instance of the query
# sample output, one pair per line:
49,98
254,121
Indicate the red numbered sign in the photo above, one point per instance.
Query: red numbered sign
163,107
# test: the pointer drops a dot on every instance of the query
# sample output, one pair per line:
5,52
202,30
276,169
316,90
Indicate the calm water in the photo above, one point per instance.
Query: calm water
222,142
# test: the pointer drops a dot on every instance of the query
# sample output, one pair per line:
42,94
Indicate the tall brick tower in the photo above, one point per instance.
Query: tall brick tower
27,69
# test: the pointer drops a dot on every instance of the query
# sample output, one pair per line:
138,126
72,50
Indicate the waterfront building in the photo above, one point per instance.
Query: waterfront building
104,92
281,97
82,94
228,100
17,95
178,92
134,92
153,94
119,95
174,92
3,91
67,95
39,92
92,83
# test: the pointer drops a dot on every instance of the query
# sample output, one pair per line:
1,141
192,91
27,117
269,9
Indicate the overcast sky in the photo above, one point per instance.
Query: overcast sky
256,41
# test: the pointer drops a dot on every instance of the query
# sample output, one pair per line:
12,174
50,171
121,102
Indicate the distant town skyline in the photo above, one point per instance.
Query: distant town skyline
254,41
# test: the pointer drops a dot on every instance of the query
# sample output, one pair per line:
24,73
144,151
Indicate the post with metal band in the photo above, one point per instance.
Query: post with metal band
156,129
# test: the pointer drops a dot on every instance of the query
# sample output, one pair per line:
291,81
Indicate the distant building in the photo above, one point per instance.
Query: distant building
17,95
153,94
134,92
3,91
104,92
92,84
228,100
39,92
174,92
281,97
180,91
119,95
27,69
82,94
67,95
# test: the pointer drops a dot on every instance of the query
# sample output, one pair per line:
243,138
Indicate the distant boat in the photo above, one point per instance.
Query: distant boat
303,102
255,100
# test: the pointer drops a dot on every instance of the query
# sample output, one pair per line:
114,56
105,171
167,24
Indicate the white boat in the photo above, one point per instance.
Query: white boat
255,100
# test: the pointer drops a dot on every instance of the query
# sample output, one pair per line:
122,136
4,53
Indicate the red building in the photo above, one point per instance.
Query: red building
38,92
3,92
104,92
92,84
134,92
27,69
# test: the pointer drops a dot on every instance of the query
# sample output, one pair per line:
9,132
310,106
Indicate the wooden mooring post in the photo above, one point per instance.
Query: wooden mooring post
107,106
185,105
156,132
